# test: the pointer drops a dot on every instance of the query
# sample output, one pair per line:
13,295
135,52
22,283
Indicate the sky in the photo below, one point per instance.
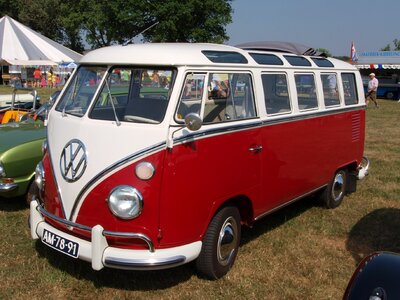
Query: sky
329,24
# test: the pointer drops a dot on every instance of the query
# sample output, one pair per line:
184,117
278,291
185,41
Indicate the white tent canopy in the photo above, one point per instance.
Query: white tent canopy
20,45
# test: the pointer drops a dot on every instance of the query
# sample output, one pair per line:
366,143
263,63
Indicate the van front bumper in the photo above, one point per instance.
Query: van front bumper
100,254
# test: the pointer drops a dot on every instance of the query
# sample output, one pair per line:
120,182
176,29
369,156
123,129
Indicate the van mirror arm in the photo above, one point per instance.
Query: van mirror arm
193,122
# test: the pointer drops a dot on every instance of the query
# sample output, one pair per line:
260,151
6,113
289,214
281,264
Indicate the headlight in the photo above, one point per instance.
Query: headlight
2,171
39,176
125,202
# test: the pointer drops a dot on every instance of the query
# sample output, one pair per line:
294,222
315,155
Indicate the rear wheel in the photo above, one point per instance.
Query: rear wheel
220,244
336,190
389,95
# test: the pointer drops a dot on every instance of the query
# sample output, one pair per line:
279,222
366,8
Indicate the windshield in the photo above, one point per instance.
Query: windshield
79,93
138,95
128,94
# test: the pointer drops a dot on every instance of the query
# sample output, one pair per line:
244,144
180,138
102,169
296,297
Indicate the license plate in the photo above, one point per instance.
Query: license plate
61,244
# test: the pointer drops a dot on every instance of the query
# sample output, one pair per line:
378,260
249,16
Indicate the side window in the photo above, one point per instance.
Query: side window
329,85
230,97
276,93
191,95
349,88
306,93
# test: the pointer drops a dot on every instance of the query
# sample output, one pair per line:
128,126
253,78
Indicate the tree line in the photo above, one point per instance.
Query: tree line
396,46
98,23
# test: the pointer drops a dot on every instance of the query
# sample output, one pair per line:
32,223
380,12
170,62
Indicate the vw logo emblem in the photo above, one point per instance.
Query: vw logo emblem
73,160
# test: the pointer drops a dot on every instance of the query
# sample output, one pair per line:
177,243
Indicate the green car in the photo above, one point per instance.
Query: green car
20,152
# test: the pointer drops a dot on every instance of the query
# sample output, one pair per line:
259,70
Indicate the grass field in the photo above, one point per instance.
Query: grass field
44,93
303,251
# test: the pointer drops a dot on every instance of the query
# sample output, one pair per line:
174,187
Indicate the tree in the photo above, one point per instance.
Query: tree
193,21
9,8
41,16
115,22
103,23
118,21
324,51
396,44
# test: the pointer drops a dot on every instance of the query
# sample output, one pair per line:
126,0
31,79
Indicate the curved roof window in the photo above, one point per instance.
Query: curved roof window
297,61
266,59
322,62
225,57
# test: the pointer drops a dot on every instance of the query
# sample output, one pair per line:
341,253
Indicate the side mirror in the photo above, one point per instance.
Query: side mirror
193,121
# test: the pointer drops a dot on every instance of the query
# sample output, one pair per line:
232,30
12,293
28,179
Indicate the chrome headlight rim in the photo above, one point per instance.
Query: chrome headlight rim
2,171
44,146
121,207
39,176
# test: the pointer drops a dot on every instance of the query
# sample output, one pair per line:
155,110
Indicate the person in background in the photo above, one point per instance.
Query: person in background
372,88
67,77
37,74
50,78
155,79
43,82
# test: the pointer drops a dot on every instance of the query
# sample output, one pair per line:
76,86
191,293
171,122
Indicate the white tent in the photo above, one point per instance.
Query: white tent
20,45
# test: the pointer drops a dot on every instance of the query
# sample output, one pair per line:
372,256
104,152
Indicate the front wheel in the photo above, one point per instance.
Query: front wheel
220,244
334,193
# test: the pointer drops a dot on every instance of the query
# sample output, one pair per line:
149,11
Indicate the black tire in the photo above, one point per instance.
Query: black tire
32,191
334,193
389,95
220,244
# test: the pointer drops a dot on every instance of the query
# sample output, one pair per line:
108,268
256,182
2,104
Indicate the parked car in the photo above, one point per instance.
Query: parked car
14,106
376,278
20,152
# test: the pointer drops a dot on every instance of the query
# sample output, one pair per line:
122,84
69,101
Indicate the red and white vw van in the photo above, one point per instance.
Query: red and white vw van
157,154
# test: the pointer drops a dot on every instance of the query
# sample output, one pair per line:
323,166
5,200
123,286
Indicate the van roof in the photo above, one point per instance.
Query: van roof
183,54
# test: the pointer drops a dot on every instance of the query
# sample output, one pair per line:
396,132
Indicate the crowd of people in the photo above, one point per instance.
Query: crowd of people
41,79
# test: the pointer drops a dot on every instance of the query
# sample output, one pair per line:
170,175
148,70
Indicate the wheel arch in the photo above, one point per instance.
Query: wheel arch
244,206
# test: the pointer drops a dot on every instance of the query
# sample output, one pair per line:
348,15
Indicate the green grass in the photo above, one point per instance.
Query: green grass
300,252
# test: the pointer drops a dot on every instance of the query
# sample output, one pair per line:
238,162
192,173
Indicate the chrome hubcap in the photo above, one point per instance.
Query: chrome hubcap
227,241
338,186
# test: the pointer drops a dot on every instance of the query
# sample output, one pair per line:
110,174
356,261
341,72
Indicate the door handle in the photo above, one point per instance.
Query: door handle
255,149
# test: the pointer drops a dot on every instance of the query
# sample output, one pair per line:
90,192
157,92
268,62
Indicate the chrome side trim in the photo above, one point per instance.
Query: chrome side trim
106,233
287,203
143,264
7,187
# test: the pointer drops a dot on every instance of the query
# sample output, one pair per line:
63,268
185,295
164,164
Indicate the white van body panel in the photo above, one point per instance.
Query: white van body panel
97,136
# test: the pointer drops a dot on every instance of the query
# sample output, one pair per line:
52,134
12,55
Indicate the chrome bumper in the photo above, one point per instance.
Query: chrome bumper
363,168
100,254
7,187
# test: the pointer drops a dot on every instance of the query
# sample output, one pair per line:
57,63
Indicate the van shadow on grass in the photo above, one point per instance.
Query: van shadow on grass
114,278
377,231
160,279
278,218
13,204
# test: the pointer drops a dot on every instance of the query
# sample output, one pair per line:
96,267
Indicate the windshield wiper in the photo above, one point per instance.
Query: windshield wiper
112,104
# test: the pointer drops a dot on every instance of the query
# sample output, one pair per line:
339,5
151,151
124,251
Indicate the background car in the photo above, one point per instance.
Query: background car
20,152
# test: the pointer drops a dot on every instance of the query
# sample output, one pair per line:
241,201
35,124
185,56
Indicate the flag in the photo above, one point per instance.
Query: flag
353,53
